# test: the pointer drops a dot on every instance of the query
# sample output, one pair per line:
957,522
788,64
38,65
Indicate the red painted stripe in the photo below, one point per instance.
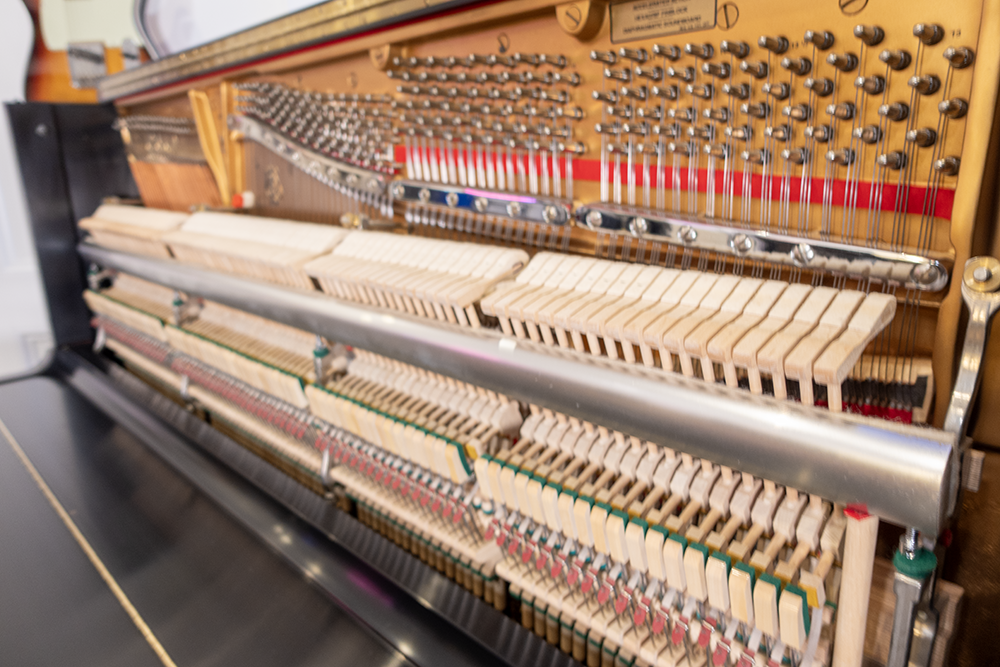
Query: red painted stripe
916,197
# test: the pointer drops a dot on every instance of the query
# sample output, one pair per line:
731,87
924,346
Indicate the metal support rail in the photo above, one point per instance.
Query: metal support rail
903,474
862,262
519,206
339,175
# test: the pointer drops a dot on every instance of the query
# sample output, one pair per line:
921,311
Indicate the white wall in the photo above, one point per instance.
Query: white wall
25,332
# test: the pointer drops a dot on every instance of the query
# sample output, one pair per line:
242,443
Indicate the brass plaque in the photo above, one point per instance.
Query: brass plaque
643,19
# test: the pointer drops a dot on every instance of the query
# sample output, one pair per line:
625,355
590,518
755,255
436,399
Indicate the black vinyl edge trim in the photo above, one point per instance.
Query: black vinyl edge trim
460,628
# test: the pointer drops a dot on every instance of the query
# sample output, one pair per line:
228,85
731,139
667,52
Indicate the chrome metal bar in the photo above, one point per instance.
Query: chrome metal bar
519,206
911,271
326,170
322,23
980,285
902,473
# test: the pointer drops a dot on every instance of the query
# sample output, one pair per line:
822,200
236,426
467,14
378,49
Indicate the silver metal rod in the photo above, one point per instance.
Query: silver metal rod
901,473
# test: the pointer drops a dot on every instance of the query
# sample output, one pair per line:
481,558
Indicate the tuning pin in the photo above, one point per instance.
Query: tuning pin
758,110
494,77
668,132
869,34
553,61
739,132
740,91
735,49
476,59
704,92
617,74
607,57
718,70
684,115
928,33
797,112
636,55
620,112
641,129
671,53
679,147
685,74
720,114
870,134
703,132
778,91
947,166
777,45
607,128
954,108
756,157
873,85
651,73
842,111
821,39
819,133
571,79
635,92
896,60
896,111
778,132
653,113
842,157
666,92
958,57
611,97
926,84
756,69
702,51
527,59
924,137
716,150
822,87
797,66
796,155
405,62
895,160
845,63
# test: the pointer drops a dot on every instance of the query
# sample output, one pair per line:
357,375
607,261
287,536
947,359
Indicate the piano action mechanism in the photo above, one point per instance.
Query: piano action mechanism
635,319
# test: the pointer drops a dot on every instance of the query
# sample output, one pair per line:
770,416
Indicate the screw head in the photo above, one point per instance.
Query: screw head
481,204
982,274
803,253
424,195
687,234
638,226
373,184
398,191
451,199
513,209
742,243
550,213
594,219
928,274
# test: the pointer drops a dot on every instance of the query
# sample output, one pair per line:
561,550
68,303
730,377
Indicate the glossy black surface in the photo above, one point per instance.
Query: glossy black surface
429,618
70,158
211,592
54,607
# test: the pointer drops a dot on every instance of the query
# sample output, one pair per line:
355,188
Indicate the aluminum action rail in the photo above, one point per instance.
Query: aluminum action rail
903,474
